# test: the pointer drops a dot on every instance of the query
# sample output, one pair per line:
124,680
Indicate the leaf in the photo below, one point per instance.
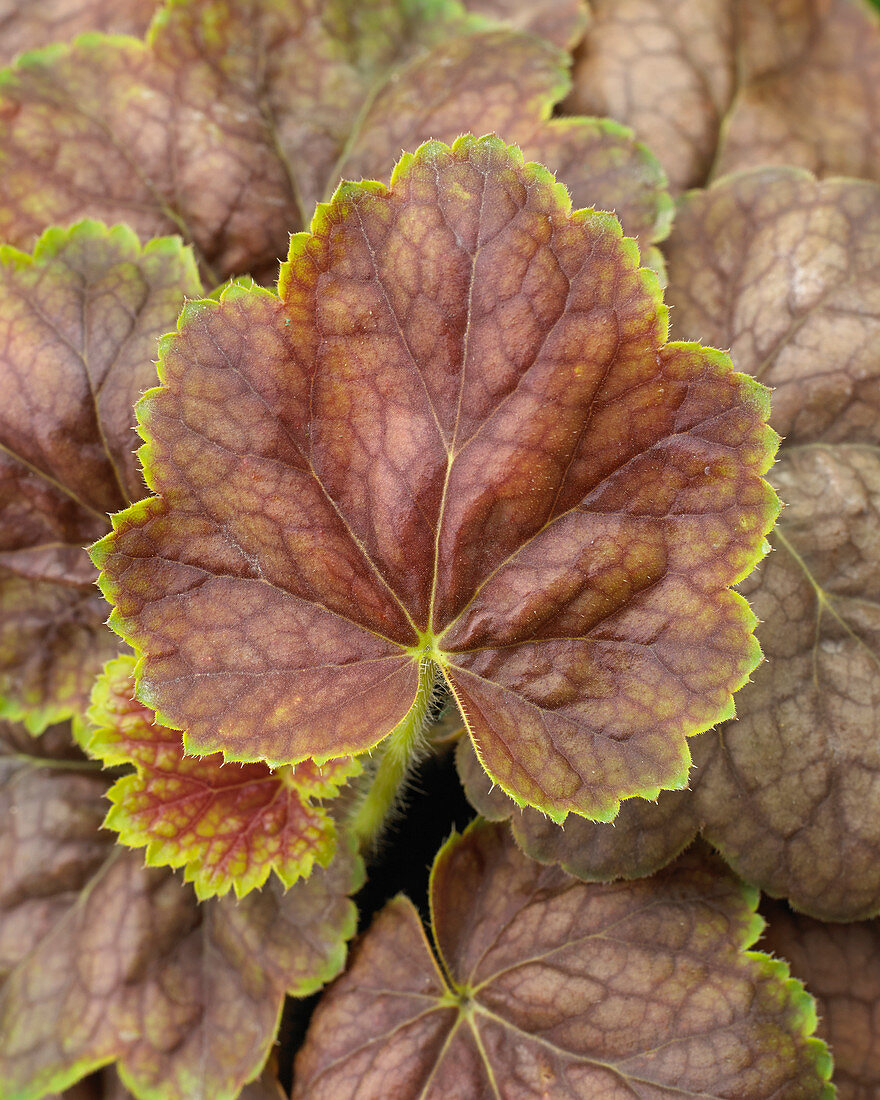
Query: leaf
366,477
813,100
262,105
665,70
561,22
841,965
28,24
79,319
728,84
543,986
791,794
227,826
520,80
185,997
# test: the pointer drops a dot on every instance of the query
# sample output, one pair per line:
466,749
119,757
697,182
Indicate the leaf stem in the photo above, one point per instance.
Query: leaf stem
402,748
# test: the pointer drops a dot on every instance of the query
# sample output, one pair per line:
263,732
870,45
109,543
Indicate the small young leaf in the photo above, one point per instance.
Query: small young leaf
458,436
718,85
79,320
227,826
186,997
840,964
548,987
28,24
262,105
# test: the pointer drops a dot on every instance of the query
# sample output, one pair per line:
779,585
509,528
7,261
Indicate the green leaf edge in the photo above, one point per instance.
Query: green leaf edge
206,882
458,22
756,392
68,1076
347,193
795,997
666,205
37,718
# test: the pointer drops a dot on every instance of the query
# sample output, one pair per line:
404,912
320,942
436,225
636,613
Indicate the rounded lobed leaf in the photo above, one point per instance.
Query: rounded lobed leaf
79,320
227,826
185,997
103,960
456,435
783,268
840,964
262,105
546,987
791,794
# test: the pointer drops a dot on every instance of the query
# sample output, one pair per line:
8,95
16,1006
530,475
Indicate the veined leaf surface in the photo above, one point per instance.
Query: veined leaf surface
103,960
79,321
236,116
544,987
229,825
784,269
456,438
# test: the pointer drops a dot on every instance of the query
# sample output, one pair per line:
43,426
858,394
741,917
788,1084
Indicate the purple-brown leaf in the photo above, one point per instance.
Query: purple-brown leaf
840,964
718,85
79,321
544,987
784,270
235,118
185,997
456,439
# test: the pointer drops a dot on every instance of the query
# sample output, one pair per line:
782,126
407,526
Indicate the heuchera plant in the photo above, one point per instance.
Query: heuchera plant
455,442
443,500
